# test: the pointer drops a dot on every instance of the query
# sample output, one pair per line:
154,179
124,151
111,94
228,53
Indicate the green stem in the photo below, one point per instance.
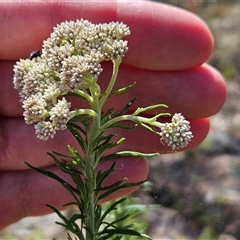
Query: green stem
91,158
90,169
137,119
84,95
116,64
91,184
78,112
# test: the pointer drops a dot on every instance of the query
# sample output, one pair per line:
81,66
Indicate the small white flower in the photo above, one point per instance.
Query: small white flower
51,92
72,72
55,55
44,130
117,30
21,68
34,109
59,114
176,134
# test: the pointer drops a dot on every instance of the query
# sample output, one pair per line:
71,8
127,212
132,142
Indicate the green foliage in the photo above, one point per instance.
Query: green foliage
134,211
208,233
77,168
76,74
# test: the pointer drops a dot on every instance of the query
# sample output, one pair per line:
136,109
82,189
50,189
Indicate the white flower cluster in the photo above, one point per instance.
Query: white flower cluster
176,134
70,60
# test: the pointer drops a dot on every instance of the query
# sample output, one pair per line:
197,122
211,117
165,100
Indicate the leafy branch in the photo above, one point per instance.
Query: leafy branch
69,64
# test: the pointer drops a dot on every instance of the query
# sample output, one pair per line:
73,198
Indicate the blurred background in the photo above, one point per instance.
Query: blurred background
199,190
196,194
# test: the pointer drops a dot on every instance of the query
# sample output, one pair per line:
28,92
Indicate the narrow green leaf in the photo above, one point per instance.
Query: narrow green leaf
69,225
122,90
113,185
107,113
104,148
128,105
117,186
54,176
60,154
104,139
148,127
119,220
101,176
74,126
124,231
107,157
110,189
111,208
98,213
78,160
69,237
81,141
141,110
106,236
106,116
80,185
76,217
135,154
67,167
58,213
70,204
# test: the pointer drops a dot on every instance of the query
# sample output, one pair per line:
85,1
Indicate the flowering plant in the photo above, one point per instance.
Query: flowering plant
69,64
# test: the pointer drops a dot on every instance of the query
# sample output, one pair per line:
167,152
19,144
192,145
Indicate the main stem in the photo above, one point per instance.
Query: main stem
90,170
91,158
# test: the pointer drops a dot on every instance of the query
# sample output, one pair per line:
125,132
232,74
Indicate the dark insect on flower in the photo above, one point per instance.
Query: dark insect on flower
35,54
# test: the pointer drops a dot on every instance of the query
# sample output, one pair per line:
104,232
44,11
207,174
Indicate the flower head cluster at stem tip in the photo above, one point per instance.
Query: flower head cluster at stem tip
176,134
70,61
